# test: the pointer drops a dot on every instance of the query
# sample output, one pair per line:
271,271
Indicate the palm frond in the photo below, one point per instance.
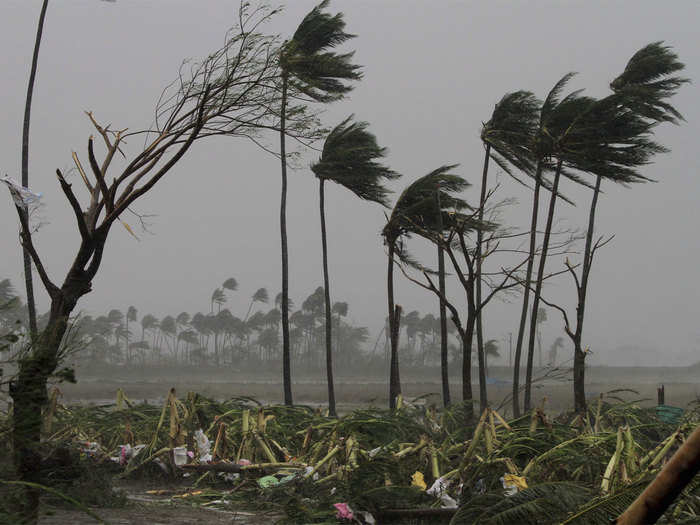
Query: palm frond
349,159
648,81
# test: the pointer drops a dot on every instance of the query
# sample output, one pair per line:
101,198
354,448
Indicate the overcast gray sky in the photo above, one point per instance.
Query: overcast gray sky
432,72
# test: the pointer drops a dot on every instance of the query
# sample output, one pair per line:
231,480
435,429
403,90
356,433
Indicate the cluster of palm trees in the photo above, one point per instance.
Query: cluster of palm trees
543,144
540,143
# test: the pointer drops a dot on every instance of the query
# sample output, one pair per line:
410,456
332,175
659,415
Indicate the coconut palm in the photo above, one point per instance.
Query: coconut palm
415,211
260,296
349,158
217,297
639,102
507,137
131,316
230,284
310,70
541,149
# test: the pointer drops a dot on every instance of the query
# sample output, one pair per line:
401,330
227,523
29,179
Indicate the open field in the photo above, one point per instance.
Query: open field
357,391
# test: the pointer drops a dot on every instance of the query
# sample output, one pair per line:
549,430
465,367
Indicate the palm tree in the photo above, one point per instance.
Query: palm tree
217,297
559,137
541,150
349,158
490,350
260,296
311,71
230,284
414,211
169,327
640,93
131,315
507,138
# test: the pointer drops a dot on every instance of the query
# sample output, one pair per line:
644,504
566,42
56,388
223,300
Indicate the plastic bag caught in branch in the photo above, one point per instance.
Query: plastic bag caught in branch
23,197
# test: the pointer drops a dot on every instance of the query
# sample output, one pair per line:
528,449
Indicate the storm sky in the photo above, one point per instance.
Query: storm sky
433,71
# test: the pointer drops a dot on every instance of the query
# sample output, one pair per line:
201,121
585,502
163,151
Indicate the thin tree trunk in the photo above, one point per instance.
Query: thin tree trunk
467,340
526,293
394,379
579,354
28,282
483,399
443,312
286,360
444,370
538,289
327,296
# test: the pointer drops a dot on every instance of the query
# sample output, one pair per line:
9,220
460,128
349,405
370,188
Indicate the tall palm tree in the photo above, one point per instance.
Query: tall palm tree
230,284
507,137
260,296
415,210
641,91
541,151
217,297
349,158
309,70
131,316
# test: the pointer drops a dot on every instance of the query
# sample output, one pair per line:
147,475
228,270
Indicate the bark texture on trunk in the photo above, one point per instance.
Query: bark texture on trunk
327,297
538,289
286,351
526,294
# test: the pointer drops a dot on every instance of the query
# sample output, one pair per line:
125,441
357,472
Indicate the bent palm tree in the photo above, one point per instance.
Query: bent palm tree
416,210
349,158
308,70
643,89
507,137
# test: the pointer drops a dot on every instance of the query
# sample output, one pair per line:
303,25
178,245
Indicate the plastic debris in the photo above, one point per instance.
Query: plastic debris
417,480
513,484
344,511
180,456
439,490
366,517
23,197
89,448
203,446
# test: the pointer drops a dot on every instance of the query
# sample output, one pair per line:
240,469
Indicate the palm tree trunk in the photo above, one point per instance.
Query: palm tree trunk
579,354
286,361
483,400
327,296
443,312
538,289
394,378
443,330
28,282
526,293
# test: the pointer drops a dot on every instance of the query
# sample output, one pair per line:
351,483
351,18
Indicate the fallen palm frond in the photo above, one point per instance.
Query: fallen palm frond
535,469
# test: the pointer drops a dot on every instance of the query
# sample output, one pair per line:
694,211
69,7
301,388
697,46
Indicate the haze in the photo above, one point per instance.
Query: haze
432,73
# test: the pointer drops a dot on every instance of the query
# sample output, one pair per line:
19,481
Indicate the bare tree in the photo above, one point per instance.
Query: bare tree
228,93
